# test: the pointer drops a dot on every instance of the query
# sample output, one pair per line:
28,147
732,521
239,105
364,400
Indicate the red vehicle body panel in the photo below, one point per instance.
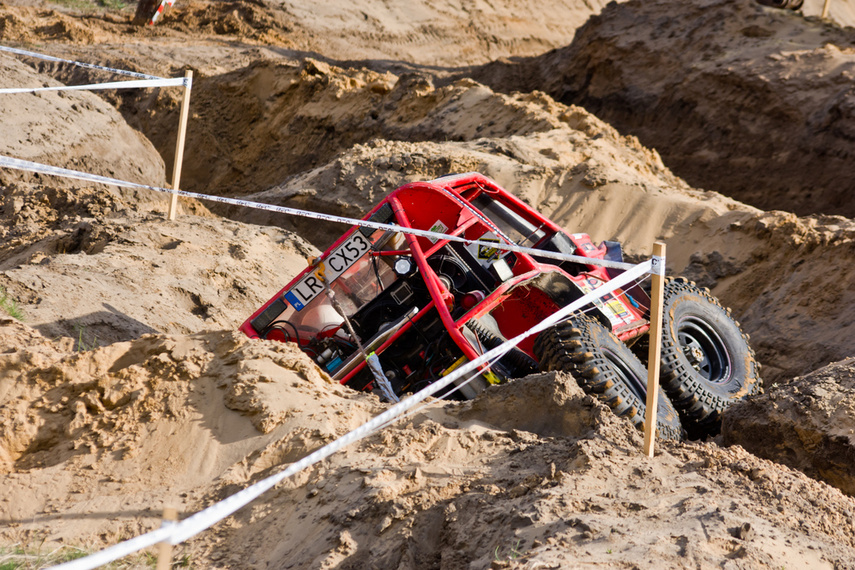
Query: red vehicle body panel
534,289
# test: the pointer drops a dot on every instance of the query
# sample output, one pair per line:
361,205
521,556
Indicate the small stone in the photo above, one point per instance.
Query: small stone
743,532
758,473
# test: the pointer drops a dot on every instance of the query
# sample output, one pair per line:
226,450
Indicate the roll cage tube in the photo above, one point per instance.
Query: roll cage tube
432,284
484,186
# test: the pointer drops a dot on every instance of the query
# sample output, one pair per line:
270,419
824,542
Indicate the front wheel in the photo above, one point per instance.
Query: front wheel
706,362
605,368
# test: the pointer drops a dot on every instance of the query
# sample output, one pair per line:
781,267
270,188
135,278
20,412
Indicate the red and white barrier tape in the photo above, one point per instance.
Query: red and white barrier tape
159,11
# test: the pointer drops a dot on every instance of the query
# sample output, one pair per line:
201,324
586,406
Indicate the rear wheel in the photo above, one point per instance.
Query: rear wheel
707,363
606,369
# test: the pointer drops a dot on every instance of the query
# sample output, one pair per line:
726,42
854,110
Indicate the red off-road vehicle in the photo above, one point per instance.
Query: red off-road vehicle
392,312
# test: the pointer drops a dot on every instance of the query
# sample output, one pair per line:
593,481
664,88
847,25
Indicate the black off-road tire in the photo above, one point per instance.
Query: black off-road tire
605,368
782,4
517,362
707,363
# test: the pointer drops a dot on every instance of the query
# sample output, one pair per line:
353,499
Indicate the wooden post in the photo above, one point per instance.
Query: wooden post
164,549
179,145
656,299
825,8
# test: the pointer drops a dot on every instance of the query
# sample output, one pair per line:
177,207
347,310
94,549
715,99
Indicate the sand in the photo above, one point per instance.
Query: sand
127,388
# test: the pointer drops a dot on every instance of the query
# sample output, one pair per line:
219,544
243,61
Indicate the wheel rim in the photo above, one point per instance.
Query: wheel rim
626,374
704,349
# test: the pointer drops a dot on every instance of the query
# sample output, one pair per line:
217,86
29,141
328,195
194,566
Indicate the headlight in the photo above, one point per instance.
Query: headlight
404,266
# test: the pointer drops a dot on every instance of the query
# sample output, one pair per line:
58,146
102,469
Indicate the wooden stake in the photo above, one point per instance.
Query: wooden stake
656,299
825,8
164,549
179,145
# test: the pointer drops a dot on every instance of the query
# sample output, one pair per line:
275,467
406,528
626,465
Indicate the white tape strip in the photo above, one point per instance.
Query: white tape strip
208,517
18,164
77,63
132,84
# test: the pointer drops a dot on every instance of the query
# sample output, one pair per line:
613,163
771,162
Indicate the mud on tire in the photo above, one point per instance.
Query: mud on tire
605,368
706,363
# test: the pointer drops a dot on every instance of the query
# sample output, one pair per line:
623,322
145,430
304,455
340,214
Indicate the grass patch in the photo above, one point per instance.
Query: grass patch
92,5
83,5
84,344
17,557
512,554
37,557
115,4
10,307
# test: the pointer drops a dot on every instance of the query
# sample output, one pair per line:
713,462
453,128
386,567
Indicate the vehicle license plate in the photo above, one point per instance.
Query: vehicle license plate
336,263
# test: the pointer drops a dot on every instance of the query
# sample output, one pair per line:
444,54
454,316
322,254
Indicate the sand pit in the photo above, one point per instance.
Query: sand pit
127,388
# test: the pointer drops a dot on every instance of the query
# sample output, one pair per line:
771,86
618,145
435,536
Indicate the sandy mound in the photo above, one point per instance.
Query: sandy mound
128,388
442,34
255,127
71,129
532,474
438,34
527,142
85,266
750,101
807,424
787,286
110,433
448,489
